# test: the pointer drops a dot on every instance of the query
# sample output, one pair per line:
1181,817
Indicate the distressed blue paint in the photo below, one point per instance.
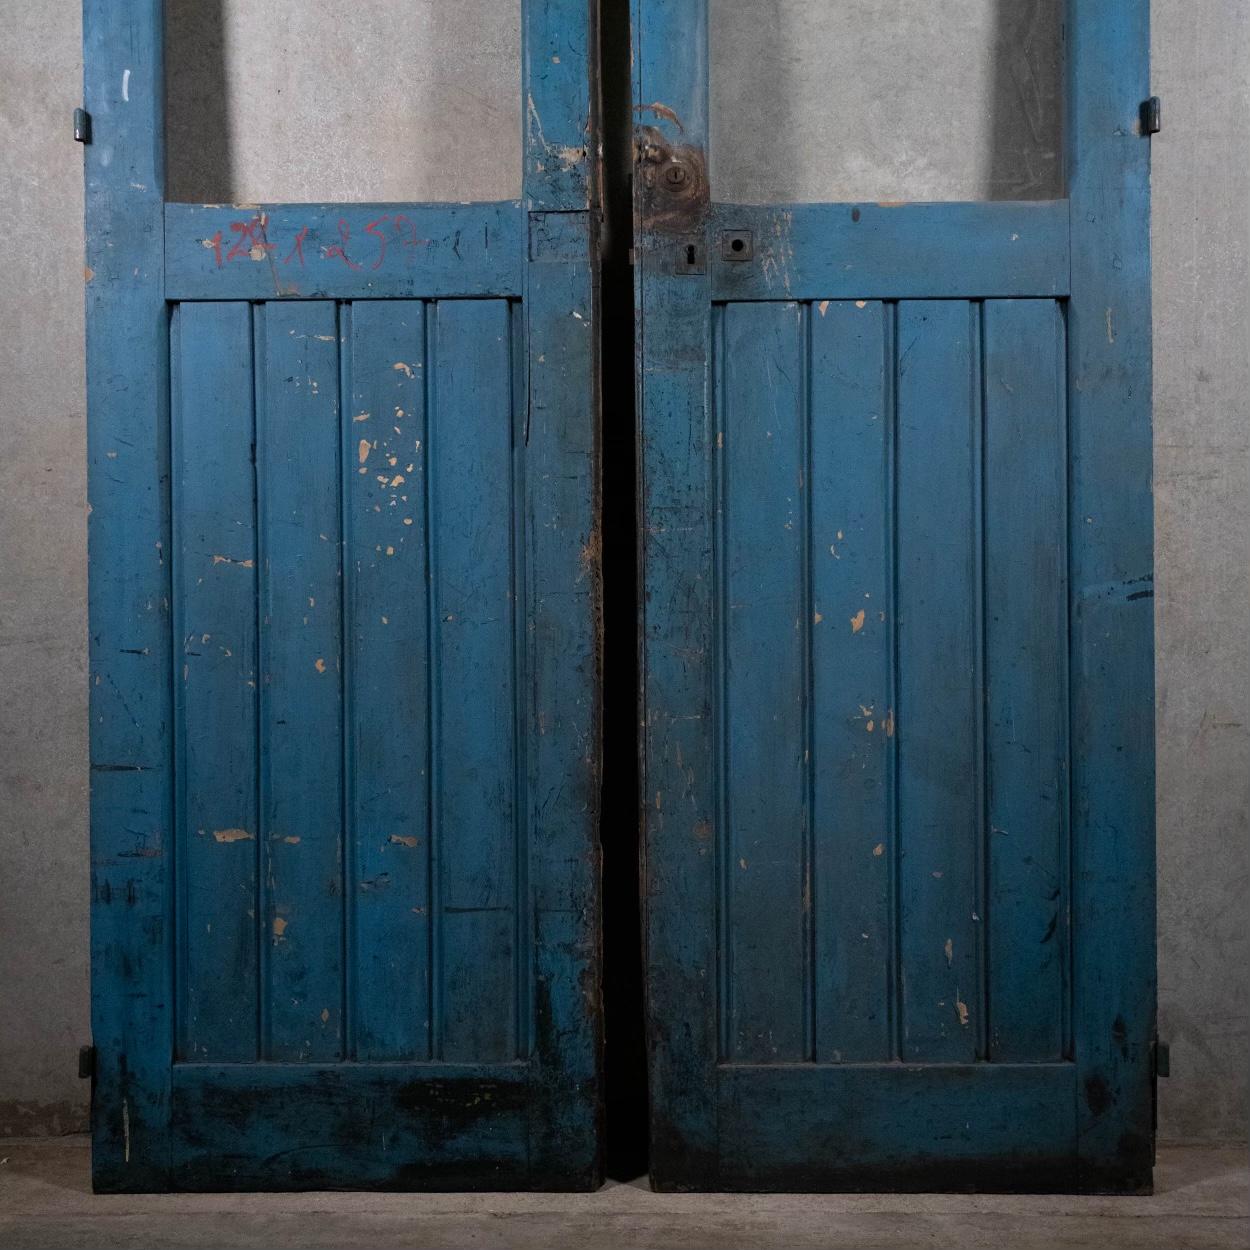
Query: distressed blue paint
1026,661
215,682
900,776
301,682
381,705
560,544
559,42
386,539
938,717
679,790
851,560
1112,641
912,251
927,1126
128,587
343,251
473,598
762,605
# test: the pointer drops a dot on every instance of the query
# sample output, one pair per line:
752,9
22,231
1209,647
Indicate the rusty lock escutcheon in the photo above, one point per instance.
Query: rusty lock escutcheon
673,183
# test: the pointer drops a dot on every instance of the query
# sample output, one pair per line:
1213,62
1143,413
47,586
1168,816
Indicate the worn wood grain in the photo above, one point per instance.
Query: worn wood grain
679,787
1112,585
377,964
1026,670
130,645
301,682
215,682
938,719
892,251
974,451
473,589
343,251
386,528
851,554
764,634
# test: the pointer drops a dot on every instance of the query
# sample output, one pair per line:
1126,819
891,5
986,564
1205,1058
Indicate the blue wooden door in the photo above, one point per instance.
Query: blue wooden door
897,632
344,701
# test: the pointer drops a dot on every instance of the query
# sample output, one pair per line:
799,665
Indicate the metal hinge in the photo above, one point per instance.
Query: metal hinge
1152,116
82,126
1163,1059
86,1062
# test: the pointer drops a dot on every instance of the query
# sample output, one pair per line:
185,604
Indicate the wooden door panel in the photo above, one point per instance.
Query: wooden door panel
345,703
896,644
891,687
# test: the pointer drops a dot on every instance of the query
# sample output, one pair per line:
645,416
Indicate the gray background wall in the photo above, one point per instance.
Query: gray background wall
442,123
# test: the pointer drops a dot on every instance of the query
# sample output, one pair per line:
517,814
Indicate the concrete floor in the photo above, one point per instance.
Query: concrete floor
1202,1203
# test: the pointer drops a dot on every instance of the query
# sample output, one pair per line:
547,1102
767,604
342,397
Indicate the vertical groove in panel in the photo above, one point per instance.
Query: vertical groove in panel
214,686
852,725
387,675
522,594
1026,658
1067,1036
260,373
347,791
474,532
895,850
766,698
981,868
720,698
939,703
810,884
434,714
178,703
300,495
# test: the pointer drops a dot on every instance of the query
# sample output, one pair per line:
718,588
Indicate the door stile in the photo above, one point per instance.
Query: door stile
1112,588
560,442
1063,1066
676,441
131,701
528,1118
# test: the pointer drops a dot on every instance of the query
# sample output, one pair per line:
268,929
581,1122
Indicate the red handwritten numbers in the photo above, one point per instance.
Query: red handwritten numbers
252,241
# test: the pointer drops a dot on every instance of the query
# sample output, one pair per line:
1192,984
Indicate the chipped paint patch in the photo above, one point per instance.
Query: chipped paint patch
879,850
857,621
400,367
232,835
949,950
279,928
404,839
823,306
320,665
962,1008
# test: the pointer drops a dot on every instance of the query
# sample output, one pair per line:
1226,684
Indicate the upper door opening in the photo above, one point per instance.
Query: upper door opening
299,101
855,101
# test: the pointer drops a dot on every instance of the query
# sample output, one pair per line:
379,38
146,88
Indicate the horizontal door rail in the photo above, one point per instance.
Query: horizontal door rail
920,1127
343,251
1002,249
360,1126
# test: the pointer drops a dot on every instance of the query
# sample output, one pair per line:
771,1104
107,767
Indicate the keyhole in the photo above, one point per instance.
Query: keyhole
690,255
737,245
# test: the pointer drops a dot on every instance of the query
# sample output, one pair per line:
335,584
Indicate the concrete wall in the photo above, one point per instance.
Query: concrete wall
902,130
292,101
